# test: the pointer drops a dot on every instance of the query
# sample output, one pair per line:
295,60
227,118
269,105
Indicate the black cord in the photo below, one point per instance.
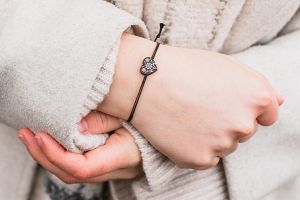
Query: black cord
161,26
137,99
155,50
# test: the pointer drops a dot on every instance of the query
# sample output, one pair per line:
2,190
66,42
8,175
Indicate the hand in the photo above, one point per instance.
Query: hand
197,107
119,158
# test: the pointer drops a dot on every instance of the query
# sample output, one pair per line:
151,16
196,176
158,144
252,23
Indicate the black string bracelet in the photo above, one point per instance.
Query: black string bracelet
149,67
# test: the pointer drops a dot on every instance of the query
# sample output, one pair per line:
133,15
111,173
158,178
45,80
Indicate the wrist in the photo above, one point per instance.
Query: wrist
127,77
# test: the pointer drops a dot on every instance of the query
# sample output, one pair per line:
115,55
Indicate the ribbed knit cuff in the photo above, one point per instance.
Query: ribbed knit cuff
158,168
102,83
96,95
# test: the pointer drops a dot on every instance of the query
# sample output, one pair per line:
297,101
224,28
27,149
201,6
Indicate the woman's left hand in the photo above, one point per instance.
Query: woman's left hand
119,158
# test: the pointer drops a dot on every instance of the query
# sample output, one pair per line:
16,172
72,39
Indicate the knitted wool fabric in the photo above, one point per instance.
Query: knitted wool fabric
61,53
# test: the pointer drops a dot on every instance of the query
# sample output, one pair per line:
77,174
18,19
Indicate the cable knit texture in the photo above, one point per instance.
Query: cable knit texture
57,62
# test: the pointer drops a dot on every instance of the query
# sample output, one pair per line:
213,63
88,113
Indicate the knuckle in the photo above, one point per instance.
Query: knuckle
227,143
246,130
102,121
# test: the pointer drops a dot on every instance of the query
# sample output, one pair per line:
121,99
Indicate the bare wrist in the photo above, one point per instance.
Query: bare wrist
127,77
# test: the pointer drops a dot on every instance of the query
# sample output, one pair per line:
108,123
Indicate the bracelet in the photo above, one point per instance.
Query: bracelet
149,67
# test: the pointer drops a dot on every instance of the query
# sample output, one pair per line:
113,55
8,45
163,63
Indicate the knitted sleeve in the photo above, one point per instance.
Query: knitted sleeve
158,169
293,25
57,62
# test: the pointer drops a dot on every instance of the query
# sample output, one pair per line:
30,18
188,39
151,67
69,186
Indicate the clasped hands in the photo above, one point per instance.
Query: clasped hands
195,110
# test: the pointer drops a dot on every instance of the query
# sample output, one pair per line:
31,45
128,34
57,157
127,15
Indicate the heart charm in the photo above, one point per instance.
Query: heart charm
148,67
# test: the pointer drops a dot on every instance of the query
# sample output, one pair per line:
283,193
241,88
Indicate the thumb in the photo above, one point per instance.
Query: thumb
97,122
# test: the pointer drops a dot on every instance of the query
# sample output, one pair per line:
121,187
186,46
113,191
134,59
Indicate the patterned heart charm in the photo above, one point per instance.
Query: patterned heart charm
148,67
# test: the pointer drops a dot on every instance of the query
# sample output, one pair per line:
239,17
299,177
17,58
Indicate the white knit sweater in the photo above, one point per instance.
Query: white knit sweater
61,53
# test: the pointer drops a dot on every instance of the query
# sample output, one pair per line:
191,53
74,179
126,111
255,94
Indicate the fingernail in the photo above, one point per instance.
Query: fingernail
39,140
83,126
22,138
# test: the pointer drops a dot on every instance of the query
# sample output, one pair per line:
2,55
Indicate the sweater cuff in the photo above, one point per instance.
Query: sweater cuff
97,92
158,169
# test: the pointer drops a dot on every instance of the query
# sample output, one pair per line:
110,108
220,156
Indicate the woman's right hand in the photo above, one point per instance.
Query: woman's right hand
197,107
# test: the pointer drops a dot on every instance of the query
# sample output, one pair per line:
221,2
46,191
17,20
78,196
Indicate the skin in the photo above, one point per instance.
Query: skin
119,158
203,102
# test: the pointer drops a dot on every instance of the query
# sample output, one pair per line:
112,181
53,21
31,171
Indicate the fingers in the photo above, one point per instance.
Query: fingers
104,159
97,122
248,132
270,113
34,147
27,137
228,143
114,155
59,157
